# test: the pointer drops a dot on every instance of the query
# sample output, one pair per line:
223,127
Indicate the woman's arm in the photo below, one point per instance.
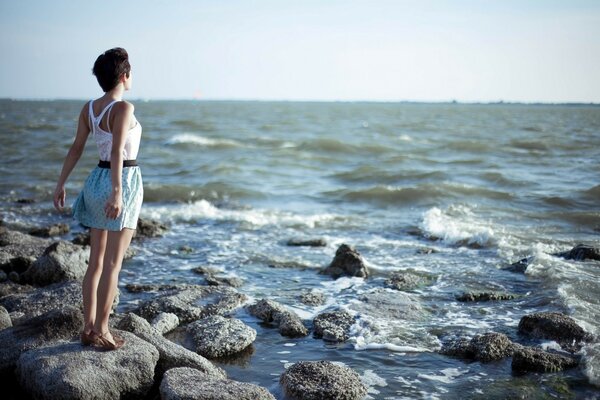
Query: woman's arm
123,114
74,154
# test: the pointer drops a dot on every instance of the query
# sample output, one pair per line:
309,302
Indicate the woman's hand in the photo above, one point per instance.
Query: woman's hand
59,197
114,205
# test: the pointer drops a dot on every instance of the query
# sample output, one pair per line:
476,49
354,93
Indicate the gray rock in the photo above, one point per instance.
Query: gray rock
581,252
70,371
333,326
213,280
216,336
484,296
165,322
18,250
3,276
147,228
485,348
289,324
5,321
82,239
54,325
347,261
405,280
313,298
387,303
536,360
171,355
52,230
556,326
426,250
519,266
188,384
192,302
307,242
322,380
61,261
10,287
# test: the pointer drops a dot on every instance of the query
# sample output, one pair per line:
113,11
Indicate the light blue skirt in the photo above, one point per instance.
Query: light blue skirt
88,208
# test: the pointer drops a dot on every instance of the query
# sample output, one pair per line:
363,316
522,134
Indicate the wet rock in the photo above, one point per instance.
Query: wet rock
165,322
14,276
43,299
519,266
52,326
216,336
426,250
25,200
313,298
307,242
188,383
333,326
581,252
70,371
556,326
52,230
171,355
405,280
347,261
147,228
185,249
387,303
61,261
485,348
192,302
289,324
484,296
536,360
5,321
322,380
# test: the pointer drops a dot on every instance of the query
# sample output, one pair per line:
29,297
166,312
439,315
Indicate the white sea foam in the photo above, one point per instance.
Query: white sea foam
457,225
591,362
202,141
447,375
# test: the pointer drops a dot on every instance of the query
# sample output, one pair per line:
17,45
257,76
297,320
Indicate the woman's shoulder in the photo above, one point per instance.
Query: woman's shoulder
124,107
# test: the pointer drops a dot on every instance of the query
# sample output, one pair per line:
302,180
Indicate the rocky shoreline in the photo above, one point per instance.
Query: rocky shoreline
40,321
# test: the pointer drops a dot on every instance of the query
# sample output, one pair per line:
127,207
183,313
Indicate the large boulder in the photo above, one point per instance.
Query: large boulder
388,303
333,326
581,252
52,326
147,228
491,346
188,383
70,371
216,336
347,261
171,355
61,261
19,250
555,326
536,360
192,302
288,322
322,380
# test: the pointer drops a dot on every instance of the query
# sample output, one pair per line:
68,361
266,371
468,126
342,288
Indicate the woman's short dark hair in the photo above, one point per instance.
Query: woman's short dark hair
109,67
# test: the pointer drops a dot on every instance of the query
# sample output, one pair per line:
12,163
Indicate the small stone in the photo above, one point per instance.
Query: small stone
404,280
288,322
536,360
82,239
53,230
307,242
347,261
185,249
426,250
313,298
217,336
491,346
485,296
519,266
333,326
165,322
148,229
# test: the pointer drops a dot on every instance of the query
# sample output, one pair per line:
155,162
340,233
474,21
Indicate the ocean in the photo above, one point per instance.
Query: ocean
478,185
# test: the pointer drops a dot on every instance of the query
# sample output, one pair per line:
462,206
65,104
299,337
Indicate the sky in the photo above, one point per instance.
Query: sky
426,50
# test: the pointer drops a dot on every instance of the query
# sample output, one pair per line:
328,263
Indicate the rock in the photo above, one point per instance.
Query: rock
3,276
307,242
387,303
426,250
18,264
405,280
216,336
61,261
581,252
43,299
519,266
5,321
232,281
333,326
82,239
313,298
70,371
347,261
185,249
171,355
25,200
485,296
54,325
188,383
53,230
556,326
165,322
536,360
10,287
205,270
13,276
17,245
288,322
192,302
485,348
322,380
148,229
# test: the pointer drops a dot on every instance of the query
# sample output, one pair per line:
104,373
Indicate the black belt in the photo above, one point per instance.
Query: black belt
126,163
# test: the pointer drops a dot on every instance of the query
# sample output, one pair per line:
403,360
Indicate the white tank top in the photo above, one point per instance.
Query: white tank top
104,138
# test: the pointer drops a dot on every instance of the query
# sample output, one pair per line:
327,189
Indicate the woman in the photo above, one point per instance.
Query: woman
110,201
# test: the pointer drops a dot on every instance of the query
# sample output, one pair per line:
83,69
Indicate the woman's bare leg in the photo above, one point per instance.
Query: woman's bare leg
92,277
116,244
